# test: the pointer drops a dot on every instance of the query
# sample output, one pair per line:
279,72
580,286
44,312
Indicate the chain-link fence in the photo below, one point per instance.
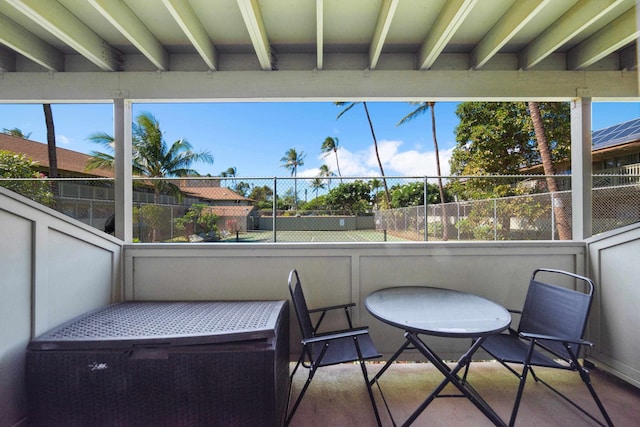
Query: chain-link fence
528,217
331,210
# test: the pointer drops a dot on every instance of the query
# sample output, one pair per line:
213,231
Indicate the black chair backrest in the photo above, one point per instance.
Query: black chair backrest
300,305
554,310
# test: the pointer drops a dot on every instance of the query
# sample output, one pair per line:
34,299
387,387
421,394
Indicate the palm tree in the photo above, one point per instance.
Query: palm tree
349,106
16,132
230,172
562,222
51,147
331,144
421,108
317,184
326,173
152,157
291,160
375,184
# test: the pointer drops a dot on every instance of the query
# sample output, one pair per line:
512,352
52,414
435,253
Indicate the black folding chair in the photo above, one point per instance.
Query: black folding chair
328,348
549,334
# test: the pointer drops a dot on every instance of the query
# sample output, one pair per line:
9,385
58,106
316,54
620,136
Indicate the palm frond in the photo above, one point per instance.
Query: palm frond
347,108
422,108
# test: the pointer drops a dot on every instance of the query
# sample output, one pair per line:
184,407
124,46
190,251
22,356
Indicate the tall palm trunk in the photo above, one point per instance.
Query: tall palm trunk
562,222
51,146
295,188
375,144
335,150
445,228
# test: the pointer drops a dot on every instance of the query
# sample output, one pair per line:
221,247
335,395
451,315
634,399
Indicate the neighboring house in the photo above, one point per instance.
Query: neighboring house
71,164
91,201
615,160
615,151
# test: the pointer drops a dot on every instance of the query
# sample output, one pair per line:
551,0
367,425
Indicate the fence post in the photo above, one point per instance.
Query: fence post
458,219
426,222
495,219
553,218
275,206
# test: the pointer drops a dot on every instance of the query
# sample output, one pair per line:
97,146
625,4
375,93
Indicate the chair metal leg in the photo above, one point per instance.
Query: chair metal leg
300,396
586,378
523,379
312,371
366,382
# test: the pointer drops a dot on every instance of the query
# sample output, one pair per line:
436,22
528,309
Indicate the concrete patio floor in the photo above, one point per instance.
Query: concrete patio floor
337,397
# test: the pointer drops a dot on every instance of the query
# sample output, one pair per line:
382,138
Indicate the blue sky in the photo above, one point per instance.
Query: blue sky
253,137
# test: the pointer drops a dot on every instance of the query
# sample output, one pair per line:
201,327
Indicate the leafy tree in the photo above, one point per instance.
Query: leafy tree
152,157
17,165
242,188
16,132
349,106
497,138
351,197
200,217
331,145
412,194
287,201
151,219
422,108
500,139
263,196
318,203
291,160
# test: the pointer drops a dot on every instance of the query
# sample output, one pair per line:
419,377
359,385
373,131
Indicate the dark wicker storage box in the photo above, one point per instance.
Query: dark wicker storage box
163,364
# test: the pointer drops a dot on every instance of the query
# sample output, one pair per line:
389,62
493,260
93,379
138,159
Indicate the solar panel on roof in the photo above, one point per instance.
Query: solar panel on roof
616,134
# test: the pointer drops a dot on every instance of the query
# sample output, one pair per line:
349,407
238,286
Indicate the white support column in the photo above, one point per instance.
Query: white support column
122,119
581,168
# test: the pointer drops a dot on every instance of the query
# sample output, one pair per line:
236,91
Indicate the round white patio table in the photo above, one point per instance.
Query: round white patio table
422,310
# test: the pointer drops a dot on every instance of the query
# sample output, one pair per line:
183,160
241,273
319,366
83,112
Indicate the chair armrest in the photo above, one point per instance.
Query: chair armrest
526,335
333,307
337,335
325,310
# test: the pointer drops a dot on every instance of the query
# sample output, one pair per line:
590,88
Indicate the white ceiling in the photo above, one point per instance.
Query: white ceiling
537,39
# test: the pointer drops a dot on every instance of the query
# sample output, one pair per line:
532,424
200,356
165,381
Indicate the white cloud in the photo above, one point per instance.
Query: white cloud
416,162
63,139
396,162
310,173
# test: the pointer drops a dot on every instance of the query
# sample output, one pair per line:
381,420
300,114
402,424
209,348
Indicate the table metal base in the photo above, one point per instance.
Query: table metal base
450,376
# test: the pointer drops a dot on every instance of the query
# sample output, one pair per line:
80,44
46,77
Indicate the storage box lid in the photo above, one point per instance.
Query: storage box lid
168,323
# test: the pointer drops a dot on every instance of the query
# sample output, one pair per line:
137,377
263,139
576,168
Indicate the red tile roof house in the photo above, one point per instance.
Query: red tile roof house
235,211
